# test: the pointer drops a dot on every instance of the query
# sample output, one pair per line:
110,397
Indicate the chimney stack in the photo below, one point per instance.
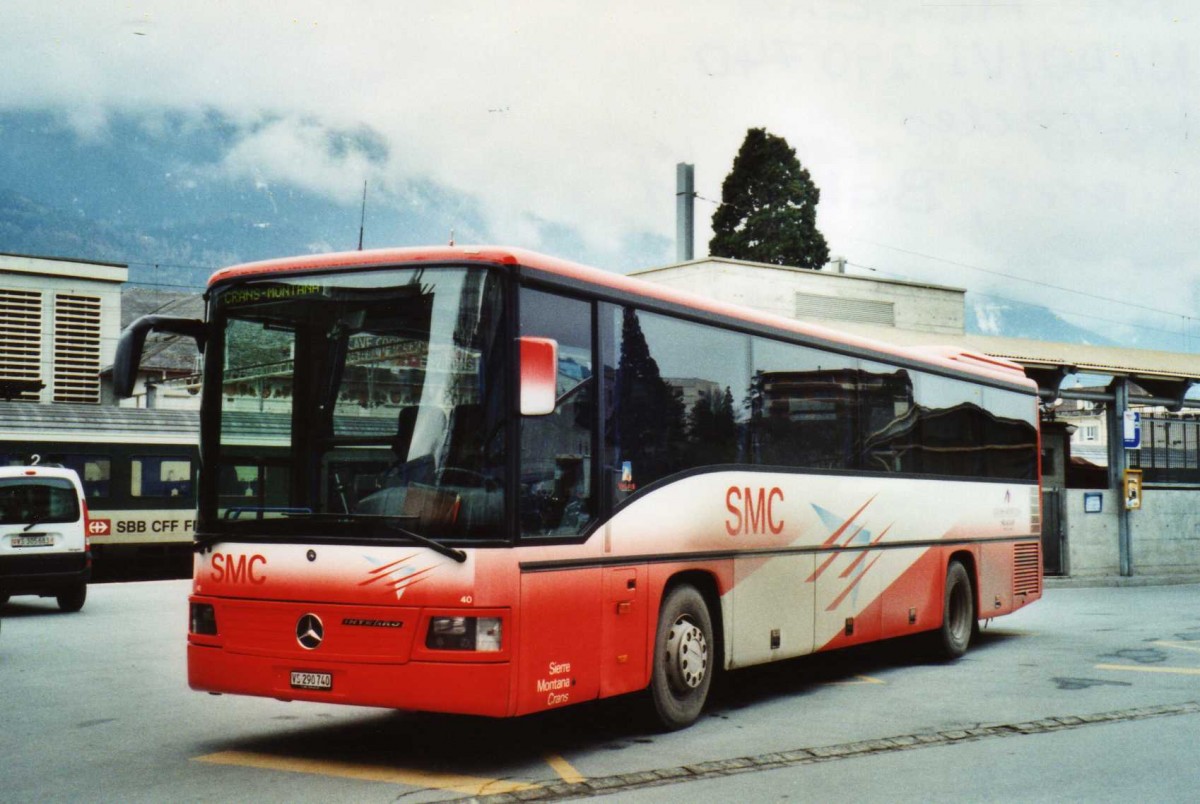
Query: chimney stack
685,204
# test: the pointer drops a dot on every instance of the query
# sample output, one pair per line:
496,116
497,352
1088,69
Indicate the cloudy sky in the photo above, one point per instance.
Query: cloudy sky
1015,149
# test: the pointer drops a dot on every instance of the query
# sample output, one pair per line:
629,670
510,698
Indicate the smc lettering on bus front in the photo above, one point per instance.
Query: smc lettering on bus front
752,511
227,567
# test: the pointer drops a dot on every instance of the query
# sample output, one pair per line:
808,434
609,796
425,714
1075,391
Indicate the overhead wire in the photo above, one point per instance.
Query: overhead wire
1040,283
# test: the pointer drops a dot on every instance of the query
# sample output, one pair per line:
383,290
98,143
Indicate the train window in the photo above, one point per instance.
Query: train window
158,476
239,481
95,471
252,486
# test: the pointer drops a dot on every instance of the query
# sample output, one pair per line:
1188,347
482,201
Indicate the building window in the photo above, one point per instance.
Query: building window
1090,432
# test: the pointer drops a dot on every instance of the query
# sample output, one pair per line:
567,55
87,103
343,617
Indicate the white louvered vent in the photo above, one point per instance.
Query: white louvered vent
21,338
76,348
865,311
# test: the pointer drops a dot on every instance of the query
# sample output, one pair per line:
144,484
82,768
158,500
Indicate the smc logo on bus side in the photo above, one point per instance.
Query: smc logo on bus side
227,567
752,511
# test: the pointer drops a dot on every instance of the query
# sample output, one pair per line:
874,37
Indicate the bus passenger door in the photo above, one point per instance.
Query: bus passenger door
623,661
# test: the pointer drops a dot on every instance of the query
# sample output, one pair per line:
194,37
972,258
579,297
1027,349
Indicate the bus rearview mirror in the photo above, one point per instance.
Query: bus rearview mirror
539,375
133,340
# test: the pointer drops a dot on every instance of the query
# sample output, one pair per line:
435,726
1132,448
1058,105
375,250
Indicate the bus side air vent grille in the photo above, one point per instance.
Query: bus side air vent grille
1027,569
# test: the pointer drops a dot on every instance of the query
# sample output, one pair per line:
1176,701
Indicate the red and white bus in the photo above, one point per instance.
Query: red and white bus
492,482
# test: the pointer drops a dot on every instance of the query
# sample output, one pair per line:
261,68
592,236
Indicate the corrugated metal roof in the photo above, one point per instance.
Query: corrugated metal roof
96,423
34,420
1086,358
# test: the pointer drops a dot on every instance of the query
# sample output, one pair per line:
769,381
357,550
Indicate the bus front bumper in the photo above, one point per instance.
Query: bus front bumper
452,687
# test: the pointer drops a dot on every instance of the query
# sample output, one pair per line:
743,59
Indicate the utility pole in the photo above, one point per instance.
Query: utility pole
1118,462
362,220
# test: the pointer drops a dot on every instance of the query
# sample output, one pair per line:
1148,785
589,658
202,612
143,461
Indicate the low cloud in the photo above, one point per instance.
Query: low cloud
1027,140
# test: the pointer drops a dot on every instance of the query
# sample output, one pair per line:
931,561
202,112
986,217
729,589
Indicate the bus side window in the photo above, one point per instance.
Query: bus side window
804,407
556,488
678,398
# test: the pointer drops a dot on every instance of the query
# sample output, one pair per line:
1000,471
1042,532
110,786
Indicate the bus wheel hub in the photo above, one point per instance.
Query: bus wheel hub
687,655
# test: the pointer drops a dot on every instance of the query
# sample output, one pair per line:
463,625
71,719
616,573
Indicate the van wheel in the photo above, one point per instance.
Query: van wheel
683,658
72,599
958,613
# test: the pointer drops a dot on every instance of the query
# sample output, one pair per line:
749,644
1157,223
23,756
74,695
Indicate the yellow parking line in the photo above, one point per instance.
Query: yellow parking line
1183,671
469,785
564,769
861,680
1179,645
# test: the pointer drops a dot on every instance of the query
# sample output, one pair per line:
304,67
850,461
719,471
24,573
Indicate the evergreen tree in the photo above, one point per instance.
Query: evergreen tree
768,210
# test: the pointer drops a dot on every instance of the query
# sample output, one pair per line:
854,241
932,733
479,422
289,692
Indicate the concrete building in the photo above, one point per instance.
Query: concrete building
59,322
828,295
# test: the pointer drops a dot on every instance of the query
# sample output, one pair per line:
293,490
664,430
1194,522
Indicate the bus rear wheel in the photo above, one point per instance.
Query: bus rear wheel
683,658
958,613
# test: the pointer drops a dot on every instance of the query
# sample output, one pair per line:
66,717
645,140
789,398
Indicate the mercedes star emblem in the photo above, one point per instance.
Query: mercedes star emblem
310,631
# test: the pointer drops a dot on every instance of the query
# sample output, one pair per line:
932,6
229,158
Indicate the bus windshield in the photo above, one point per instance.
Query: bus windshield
359,405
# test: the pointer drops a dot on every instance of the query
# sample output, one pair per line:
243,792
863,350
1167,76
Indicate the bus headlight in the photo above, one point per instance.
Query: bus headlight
464,633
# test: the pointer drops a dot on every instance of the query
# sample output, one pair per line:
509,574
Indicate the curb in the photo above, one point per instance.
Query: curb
1087,582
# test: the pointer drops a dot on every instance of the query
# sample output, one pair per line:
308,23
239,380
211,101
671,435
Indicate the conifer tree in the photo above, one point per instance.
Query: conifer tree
768,210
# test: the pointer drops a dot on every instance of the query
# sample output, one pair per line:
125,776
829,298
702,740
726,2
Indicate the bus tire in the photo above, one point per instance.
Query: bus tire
958,613
73,598
683,658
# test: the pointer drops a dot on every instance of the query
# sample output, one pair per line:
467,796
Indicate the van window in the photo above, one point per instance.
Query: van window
37,499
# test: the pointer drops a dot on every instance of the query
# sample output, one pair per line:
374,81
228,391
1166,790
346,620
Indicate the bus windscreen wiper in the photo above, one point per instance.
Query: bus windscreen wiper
432,544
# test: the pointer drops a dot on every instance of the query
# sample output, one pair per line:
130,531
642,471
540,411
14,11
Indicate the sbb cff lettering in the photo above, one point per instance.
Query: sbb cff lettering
752,511
229,568
153,526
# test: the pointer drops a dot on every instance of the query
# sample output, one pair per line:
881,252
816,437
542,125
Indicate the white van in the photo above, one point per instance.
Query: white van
44,548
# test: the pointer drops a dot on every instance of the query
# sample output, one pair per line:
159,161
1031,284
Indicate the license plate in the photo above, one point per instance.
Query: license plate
40,540
312,681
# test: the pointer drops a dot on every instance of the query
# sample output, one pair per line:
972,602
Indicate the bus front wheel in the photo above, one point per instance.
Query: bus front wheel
683,658
958,613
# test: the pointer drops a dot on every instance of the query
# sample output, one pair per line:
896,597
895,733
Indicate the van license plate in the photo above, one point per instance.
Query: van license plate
40,540
312,681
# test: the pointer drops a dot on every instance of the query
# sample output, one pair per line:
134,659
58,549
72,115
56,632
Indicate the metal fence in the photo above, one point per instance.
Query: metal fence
1170,452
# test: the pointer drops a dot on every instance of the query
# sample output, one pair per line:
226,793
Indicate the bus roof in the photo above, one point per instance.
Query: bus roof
949,358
